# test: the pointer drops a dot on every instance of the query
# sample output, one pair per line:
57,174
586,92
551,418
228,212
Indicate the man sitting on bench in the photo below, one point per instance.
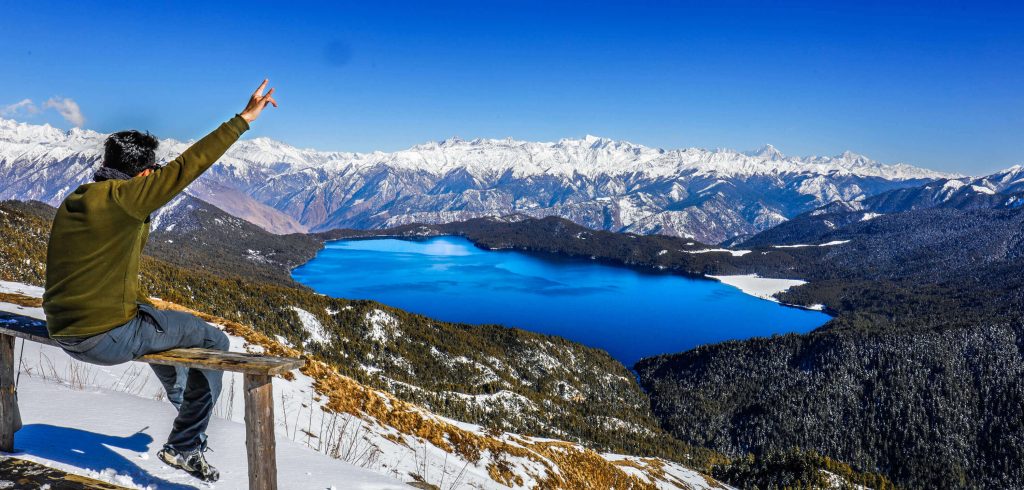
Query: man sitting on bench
93,305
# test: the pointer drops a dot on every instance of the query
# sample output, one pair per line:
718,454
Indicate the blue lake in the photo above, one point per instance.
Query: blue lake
627,312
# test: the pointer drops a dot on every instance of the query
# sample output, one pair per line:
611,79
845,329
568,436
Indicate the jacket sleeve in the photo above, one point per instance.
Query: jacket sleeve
140,196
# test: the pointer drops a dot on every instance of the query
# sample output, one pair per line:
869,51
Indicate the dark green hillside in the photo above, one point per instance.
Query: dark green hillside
932,409
796,469
929,267
195,234
35,208
24,229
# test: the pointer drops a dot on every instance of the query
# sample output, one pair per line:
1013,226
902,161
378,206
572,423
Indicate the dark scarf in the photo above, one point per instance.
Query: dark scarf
107,173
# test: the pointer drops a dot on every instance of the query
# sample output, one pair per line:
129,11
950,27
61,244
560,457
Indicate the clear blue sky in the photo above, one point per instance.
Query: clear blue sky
935,84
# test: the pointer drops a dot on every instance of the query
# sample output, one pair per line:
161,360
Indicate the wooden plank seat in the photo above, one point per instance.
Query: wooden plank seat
239,362
257,372
20,473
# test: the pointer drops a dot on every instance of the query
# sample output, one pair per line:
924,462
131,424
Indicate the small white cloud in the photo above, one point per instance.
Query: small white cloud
67,108
25,106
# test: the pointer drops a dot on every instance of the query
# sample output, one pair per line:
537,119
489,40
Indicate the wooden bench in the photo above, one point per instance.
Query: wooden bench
257,371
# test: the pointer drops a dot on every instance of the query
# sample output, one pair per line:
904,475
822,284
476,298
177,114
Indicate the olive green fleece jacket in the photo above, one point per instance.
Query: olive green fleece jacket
92,261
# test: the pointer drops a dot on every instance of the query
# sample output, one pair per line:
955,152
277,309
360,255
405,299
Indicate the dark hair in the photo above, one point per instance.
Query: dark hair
130,152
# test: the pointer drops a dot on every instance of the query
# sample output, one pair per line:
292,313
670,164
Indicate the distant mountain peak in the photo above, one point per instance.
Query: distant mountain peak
1016,169
768,152
856,158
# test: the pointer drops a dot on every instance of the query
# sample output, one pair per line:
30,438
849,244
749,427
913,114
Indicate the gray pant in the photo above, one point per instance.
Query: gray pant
193,392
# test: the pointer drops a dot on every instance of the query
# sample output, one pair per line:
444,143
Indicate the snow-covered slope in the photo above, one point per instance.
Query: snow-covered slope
108,423
85,441
332,432
710,195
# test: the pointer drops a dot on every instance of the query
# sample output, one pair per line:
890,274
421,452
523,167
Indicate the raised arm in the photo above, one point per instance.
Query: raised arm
144,194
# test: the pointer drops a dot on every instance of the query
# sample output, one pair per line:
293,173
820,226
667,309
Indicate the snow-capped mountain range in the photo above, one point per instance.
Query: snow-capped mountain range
709,195
1000,188
1003,189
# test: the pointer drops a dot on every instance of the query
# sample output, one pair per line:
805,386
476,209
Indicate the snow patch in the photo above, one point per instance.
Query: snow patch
381,326
735,253
312,326
826,244
22,289
762,287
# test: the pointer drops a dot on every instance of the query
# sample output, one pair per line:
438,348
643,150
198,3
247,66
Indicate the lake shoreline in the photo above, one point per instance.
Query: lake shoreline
632,311
751,284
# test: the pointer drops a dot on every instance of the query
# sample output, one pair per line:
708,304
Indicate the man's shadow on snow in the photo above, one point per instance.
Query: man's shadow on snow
89,450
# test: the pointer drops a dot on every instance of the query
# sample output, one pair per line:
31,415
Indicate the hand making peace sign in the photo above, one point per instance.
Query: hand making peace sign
257,102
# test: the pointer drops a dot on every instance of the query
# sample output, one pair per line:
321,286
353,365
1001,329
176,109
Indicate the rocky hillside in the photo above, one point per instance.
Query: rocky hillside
596,182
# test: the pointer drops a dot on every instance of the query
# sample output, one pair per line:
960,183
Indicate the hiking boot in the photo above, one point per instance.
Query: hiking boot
192,461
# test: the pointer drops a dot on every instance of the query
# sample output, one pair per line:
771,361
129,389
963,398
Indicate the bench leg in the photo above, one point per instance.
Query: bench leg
8,402
259,432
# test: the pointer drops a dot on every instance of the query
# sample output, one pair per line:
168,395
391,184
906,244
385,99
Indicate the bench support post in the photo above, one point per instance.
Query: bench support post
8,402
259,432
